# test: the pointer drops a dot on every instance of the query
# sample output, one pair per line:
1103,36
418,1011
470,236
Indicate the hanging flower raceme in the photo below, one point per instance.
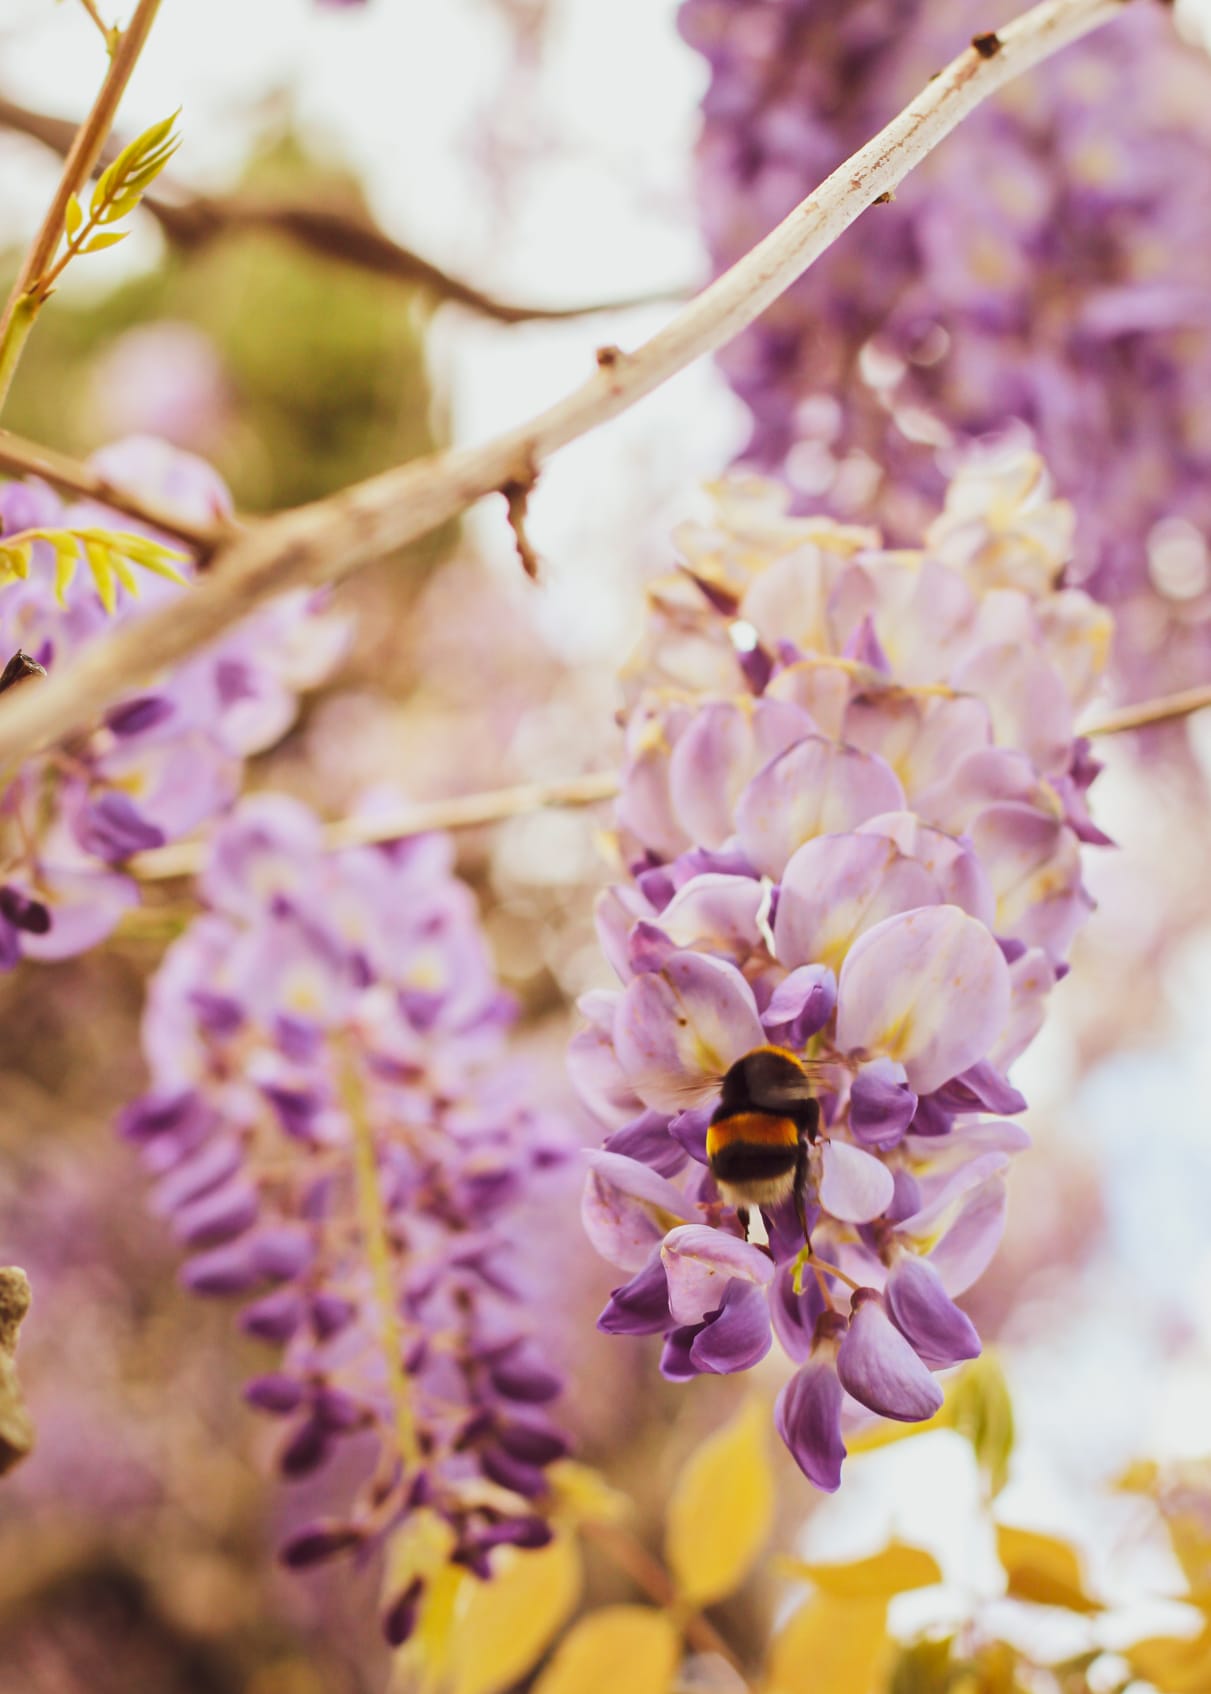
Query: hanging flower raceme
851,814
165,760
338,1140
1040,269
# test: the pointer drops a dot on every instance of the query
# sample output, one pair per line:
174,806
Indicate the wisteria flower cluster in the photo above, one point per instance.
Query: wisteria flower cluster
1040,269
337,1137
164,762
851,815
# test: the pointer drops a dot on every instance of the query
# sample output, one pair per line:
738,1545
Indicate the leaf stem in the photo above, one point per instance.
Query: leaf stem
647,1573
331,538
372,1219
77,168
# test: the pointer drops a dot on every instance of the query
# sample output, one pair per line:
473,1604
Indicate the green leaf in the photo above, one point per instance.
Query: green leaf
75,215
619,1647
136,166
721,1509
979,1408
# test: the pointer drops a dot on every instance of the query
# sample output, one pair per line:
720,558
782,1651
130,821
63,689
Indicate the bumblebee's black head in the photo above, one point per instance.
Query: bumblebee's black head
768,1079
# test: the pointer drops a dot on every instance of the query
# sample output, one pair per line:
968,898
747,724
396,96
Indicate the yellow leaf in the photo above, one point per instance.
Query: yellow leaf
582,1495
882,1433
631,1648
893,1570
1176,1666
831,1646
504,1626
98,563
75,215
98,243
721,1508
1043,1569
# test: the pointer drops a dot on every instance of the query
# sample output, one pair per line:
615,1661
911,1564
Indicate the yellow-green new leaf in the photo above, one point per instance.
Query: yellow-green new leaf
721,1509
978,1406
831,1646
1043,1569
617,1650
110,238
894,1569
98,558
505,1626
74,216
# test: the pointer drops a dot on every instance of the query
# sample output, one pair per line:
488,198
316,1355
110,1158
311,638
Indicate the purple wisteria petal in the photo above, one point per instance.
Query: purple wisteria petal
814,788
807,1415
879,1368
919,1306
951,861
739,1337
981,1087
627,1209
649,1140
683,1026
881,1104
1034,866
801,1005
794,1316
640,1306
854,1186
929,988
700,1262
962,1238
726,743
715,914
838,886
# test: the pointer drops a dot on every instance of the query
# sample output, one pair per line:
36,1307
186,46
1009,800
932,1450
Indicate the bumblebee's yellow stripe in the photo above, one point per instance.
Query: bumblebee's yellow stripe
757,1129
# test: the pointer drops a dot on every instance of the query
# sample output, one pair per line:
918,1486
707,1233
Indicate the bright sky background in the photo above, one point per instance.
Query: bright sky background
596,154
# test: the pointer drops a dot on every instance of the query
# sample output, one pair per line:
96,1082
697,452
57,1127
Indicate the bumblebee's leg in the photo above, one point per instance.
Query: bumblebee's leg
811,1124
742,1217
800,1190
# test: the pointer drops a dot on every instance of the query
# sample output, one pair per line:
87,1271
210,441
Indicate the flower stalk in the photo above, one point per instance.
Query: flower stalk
372,1219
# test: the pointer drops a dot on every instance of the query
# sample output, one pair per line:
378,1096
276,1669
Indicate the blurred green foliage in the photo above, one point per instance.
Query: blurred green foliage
325,363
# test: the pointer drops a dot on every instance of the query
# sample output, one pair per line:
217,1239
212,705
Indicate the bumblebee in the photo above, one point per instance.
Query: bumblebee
759,1134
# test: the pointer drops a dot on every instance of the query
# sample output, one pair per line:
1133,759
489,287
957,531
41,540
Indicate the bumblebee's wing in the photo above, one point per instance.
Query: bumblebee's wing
679,1094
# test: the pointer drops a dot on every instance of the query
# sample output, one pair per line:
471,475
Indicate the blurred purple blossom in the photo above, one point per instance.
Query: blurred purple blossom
851,809
1039,267
338,1138
164,762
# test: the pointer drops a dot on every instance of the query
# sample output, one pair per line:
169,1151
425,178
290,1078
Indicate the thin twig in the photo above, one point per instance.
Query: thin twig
647,1573
78,166
464,811
336,231
1149,712
110,33
328,540
19,457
